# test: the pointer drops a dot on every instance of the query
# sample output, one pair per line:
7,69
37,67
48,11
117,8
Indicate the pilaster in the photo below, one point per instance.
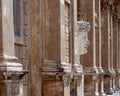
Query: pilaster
102,93
11,71
66,84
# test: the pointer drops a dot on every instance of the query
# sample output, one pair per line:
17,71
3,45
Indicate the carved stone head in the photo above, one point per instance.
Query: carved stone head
81,37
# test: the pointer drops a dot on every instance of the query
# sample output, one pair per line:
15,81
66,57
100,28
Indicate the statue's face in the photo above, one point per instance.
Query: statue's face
84,43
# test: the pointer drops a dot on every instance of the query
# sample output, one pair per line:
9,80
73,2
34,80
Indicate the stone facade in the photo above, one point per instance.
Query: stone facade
44,38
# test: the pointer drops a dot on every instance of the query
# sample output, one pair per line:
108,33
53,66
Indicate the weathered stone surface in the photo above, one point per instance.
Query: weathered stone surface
47,46
35,76
52,88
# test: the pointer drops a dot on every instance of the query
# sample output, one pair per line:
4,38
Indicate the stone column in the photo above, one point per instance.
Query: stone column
114,21
104,34
116,46
80,85
100,65
79,76
11,72
119,55
66,84
106,42
118,83
102,86
95,81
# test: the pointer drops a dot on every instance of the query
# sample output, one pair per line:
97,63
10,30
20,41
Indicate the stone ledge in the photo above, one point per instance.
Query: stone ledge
90,71
108,72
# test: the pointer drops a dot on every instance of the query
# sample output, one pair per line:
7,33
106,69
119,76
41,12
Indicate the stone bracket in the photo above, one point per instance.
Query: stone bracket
13,75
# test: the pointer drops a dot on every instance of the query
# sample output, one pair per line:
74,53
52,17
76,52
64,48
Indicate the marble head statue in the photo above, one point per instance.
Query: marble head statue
81,37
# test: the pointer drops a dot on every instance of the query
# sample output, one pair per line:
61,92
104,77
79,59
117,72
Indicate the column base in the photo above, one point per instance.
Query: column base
111,91
103,94
65,67
96,94
10,66
11,81
101,71
78,68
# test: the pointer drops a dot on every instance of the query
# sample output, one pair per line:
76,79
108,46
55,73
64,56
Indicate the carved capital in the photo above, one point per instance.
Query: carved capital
83,26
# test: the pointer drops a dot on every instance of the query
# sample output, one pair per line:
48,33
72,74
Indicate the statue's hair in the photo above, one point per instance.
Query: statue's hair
83,26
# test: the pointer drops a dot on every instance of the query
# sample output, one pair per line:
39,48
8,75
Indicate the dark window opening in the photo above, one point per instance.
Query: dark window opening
17,19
